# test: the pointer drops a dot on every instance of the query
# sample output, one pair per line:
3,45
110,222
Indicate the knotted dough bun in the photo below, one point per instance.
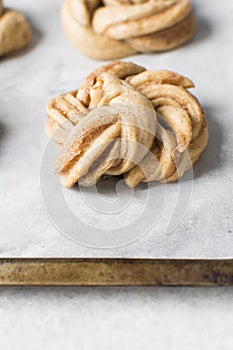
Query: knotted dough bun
126,120
118,28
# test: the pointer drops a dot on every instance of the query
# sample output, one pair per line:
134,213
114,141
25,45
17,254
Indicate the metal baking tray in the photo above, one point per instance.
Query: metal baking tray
176,234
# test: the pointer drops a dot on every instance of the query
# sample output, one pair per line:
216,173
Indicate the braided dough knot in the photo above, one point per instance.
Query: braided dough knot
126,120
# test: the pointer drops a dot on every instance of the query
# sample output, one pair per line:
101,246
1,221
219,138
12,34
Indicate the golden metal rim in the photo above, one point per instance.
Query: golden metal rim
115,272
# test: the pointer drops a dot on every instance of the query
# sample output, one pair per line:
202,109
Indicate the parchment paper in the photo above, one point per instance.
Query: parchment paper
51,66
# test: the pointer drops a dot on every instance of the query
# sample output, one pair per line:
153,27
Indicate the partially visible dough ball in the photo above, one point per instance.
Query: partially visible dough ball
15,32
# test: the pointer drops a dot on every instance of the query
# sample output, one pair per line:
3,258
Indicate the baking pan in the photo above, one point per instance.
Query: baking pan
184,233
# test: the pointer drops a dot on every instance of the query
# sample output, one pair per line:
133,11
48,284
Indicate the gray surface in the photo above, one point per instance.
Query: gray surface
51,66
116,318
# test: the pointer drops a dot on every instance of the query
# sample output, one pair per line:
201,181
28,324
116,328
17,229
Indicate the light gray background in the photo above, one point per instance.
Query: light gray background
130,318
116,318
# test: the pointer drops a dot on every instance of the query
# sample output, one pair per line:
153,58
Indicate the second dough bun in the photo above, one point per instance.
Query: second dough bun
118,28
